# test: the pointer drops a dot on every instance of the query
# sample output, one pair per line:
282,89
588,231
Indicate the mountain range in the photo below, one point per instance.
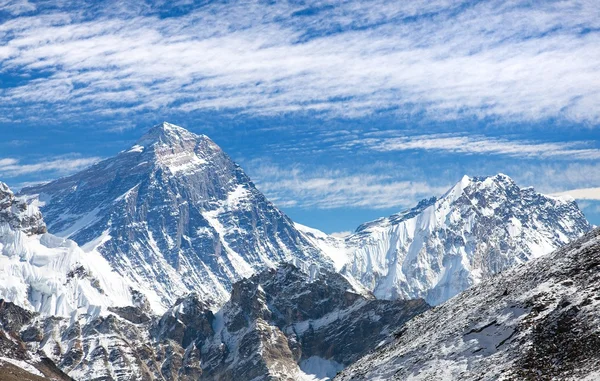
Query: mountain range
167,262
177,201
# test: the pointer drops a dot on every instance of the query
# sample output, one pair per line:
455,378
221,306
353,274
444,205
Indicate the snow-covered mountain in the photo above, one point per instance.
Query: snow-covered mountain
49,289
481,226
174,214
537,321
49,274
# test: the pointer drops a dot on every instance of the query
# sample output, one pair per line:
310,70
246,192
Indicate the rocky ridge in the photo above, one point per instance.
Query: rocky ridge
536,321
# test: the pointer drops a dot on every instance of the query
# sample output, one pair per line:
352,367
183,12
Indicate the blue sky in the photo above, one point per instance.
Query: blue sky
341,111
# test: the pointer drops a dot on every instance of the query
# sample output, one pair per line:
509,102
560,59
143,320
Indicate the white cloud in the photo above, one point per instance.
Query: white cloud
509,59
11,167
324,189
473,144
341,234
16,7
582,194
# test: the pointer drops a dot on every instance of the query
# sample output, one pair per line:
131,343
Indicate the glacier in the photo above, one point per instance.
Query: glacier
49,274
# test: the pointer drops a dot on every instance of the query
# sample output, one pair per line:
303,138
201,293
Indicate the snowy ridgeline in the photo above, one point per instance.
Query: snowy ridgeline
441,247
49,274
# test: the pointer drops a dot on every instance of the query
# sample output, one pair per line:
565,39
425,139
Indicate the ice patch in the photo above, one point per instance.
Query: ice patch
320,368
23,365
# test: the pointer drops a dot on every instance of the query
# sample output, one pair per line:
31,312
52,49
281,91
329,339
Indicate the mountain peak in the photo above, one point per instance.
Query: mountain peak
500,178
479,217
480,182
182,213
20,213
168,134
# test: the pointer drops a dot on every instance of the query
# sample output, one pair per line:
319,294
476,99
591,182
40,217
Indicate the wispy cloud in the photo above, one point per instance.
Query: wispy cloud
474,144
341,234
582,194
326,189
16,7
11,167
515,60
388,185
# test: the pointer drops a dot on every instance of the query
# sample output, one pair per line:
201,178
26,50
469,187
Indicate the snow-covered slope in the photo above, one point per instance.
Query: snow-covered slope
174,214
441,247
48,274
537,321
333,247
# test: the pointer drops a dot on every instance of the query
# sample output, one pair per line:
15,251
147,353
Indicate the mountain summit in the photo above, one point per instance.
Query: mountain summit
174,214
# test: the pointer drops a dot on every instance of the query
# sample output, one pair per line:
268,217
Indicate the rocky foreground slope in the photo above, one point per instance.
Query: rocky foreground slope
538,321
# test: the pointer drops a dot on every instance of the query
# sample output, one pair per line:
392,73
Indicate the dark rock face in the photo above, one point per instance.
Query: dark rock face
174,200
19,214
16,332
278,319
189,320
538,321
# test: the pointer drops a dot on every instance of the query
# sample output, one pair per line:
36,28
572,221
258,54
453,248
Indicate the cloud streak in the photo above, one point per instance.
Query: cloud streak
582,194
335,189
481,145
11,167
445,59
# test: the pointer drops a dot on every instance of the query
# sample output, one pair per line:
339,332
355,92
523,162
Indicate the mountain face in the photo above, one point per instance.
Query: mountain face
65,313
480,227
537,321
283,323
18,214
174,214
49,289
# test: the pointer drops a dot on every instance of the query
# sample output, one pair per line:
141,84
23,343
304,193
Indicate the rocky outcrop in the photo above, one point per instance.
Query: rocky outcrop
20,213
18,361
538,321
280,324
